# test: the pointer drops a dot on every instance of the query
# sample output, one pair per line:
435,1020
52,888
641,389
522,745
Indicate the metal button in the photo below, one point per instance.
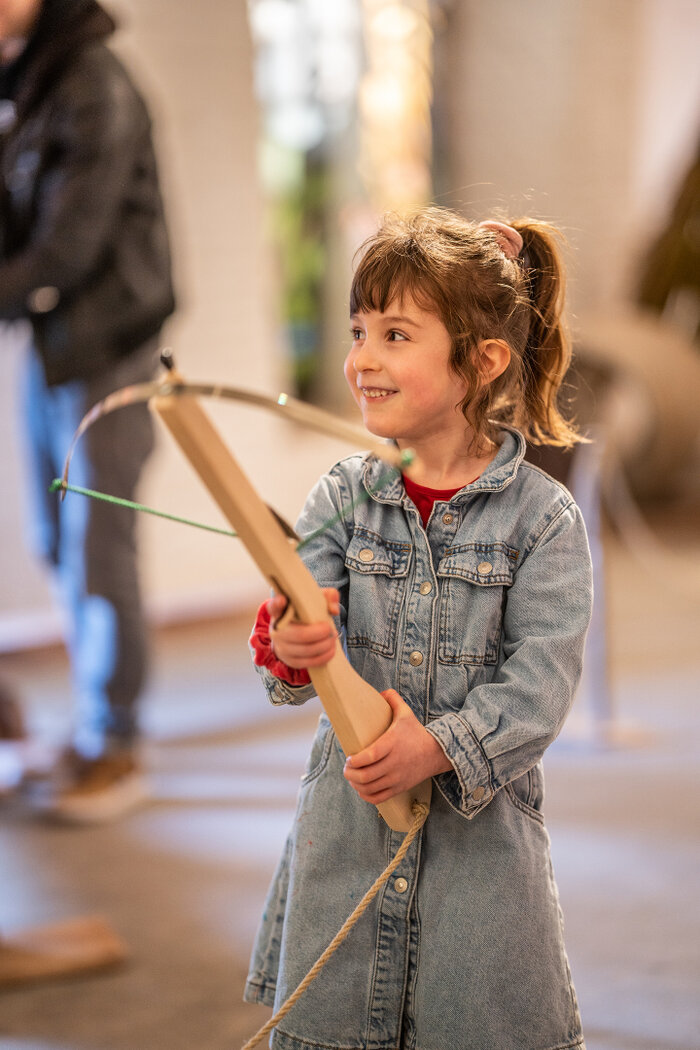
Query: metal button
416,658
478,793
366,554
484,568
426,587
448,518
400,885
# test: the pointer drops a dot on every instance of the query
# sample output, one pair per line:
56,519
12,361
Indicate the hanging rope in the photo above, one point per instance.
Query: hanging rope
420,812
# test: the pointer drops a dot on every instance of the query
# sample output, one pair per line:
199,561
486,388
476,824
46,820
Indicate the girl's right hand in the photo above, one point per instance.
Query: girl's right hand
304,644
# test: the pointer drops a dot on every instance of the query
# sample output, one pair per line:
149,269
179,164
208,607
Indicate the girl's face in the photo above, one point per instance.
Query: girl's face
399,373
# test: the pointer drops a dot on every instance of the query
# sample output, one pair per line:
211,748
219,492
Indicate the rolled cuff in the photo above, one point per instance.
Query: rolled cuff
468,788
279,692
259,990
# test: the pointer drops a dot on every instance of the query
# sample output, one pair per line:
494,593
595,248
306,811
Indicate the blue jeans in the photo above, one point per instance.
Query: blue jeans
90,545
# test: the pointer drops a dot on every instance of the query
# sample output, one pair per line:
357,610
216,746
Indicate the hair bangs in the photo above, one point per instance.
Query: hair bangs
384,276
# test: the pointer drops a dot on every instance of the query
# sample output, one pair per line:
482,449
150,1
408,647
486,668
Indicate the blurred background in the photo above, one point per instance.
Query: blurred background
284,128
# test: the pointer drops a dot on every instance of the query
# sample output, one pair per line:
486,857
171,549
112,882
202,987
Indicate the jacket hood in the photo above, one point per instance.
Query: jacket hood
68,24
63,28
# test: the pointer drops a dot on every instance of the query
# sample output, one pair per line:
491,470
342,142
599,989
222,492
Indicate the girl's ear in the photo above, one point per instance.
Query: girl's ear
493,357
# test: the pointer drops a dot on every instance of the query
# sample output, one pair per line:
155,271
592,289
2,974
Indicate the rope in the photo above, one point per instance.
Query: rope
420,812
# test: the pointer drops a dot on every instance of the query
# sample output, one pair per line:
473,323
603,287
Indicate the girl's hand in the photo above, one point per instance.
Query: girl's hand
403,756
304,644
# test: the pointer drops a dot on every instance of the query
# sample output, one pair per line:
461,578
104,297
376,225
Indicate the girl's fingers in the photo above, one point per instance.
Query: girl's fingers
276,607
304,645
305,637
377,792
371,755
305,633
303,656
332,600
365,775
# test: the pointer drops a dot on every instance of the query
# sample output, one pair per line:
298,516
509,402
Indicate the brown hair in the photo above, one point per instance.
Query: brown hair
457,270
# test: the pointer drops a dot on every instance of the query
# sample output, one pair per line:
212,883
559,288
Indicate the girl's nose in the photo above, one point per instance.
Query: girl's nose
363,357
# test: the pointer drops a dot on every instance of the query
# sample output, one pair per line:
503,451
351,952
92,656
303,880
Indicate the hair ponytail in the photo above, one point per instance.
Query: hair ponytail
547,352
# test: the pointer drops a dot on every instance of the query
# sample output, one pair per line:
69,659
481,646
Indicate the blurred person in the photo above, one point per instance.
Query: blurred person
85,266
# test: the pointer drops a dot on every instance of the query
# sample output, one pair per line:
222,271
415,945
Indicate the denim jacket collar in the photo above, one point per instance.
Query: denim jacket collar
384,483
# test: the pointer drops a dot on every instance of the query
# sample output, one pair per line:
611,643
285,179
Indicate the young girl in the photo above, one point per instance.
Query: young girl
462,592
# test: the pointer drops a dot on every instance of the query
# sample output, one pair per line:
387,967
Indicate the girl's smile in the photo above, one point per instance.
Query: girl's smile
373,392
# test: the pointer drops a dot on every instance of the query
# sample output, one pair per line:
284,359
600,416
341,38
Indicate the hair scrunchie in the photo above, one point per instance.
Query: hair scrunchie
509,240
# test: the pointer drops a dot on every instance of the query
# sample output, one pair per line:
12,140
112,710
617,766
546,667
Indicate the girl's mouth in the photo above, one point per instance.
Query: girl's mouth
375,393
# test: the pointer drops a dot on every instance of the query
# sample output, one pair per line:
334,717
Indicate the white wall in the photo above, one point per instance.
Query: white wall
583,111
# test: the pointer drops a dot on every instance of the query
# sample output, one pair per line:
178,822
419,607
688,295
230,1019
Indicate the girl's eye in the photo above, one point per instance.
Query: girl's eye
356,333
395,336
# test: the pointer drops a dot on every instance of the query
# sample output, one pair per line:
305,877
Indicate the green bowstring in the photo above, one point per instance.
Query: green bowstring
59,485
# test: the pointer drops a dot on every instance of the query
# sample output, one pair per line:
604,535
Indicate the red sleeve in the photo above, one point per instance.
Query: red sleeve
265,657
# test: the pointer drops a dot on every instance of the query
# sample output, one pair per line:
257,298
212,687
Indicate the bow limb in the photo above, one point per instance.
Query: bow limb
298,411
358,713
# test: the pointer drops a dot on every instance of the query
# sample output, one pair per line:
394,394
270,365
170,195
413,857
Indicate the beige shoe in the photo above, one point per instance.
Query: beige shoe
97,791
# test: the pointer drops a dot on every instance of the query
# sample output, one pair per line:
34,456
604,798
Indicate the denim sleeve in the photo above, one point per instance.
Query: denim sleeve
324,540
506,724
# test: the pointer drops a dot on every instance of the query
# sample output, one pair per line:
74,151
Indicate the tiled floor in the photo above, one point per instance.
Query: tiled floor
183,880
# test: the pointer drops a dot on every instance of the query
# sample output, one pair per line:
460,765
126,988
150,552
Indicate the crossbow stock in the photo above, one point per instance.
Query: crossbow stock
358,713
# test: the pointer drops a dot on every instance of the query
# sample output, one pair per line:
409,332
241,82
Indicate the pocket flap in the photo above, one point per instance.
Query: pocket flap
370,553
487,564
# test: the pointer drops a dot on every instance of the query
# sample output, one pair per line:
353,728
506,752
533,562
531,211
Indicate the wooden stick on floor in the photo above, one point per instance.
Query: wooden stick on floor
62,949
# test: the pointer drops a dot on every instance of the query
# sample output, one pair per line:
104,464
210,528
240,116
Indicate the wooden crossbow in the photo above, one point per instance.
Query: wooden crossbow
358,713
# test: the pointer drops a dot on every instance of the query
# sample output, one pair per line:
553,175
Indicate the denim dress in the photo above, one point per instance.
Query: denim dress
478,621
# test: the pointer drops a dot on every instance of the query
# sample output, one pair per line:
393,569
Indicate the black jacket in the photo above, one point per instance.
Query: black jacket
83,244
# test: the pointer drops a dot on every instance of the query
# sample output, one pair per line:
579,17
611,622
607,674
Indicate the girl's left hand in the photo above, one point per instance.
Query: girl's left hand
403,756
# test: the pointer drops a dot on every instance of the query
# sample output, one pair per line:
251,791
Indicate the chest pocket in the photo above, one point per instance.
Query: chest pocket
474,578
377,571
